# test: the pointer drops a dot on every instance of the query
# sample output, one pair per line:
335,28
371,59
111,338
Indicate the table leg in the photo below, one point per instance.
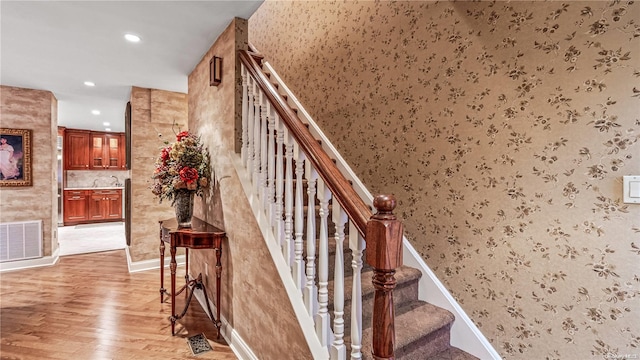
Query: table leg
218,277
173,267
162,289
186,263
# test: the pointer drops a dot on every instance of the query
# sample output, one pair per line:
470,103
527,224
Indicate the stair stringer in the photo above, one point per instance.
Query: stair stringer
465,335
295,296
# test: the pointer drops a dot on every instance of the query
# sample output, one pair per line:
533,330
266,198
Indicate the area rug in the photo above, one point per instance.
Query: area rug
198,344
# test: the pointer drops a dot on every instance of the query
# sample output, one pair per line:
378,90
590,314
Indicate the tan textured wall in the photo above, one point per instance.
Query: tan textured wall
54,174
153,113
37,111
253,298
504,129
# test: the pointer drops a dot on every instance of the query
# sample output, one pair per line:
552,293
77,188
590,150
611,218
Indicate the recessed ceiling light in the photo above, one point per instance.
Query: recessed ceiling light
95,112
90,83
106,123
107,129
132,38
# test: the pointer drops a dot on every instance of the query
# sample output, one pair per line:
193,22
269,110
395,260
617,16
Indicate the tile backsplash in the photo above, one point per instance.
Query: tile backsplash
97,178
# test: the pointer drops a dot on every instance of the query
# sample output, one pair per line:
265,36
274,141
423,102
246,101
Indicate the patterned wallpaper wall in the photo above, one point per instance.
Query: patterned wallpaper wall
504,129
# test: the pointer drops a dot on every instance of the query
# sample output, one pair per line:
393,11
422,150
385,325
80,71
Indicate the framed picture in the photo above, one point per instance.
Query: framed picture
15,157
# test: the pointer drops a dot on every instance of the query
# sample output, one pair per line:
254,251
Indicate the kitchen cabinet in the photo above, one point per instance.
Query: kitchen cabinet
105,205
92,205
75,206
94,150
105,151
76,149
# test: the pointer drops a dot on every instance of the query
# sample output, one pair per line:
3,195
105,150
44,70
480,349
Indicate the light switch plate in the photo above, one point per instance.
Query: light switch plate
631,189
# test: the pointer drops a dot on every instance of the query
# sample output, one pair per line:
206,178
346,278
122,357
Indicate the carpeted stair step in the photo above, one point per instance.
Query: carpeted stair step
422,331
406,292
453,353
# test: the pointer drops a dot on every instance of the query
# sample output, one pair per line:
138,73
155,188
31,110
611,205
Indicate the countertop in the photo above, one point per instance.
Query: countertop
96,188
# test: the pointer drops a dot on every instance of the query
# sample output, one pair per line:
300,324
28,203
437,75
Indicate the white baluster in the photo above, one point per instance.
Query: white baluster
323,321
298,264
256,143
311,290
265,113
357,246
245,114
338,349
250,126
271,175
281,227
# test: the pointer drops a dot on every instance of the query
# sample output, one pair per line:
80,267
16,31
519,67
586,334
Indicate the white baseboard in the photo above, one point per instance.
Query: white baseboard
31,263
240,348
464,333
235,341
151,264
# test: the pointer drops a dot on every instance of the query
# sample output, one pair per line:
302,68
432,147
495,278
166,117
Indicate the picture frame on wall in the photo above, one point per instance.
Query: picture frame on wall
15,157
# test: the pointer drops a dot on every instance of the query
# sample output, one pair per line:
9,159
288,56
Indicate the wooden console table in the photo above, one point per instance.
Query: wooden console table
200,235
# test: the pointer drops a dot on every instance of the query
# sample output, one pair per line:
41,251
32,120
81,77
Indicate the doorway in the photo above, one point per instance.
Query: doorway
90,238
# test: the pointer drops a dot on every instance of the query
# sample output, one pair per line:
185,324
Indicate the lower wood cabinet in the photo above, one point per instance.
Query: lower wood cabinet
75,206
89,206
105,205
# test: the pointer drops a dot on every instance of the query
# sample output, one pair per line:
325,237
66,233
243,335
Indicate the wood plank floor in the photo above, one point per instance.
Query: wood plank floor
90,307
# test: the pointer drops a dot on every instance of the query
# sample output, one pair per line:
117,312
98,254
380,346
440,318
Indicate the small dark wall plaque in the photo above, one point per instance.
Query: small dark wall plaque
215,71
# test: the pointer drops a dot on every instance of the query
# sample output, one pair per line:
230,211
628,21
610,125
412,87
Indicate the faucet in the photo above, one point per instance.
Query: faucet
95,182
117,183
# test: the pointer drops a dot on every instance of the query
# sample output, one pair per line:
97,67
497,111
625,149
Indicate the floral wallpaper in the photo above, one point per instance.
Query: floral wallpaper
504,129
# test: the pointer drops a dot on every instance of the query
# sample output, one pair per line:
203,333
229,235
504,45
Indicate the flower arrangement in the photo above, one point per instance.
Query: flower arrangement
183,165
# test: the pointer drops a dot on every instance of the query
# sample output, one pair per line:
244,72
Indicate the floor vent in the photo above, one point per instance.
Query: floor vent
20,240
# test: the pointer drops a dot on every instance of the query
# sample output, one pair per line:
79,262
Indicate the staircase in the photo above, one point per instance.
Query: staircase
310,221
422,329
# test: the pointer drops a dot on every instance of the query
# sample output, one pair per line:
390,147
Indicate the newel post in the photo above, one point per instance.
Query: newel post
384,254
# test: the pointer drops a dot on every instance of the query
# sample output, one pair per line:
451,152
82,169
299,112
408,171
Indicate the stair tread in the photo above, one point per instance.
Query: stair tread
404,274
414,321
453,353
417,319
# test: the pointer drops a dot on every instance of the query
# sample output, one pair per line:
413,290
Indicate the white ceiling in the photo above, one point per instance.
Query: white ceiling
58,45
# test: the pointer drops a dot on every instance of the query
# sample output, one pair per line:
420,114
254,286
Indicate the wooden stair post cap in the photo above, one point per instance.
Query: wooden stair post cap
385,205
384,235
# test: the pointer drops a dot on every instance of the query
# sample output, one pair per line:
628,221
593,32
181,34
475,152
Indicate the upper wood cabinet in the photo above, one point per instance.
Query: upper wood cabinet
93,150
76,149
105,151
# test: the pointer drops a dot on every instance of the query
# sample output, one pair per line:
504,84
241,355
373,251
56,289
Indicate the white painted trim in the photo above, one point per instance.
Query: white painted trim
240,348
306,322
234,340
31,263
464,333
151,264
434,292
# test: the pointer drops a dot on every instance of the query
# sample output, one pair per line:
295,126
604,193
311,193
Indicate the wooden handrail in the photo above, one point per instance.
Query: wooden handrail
342,190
